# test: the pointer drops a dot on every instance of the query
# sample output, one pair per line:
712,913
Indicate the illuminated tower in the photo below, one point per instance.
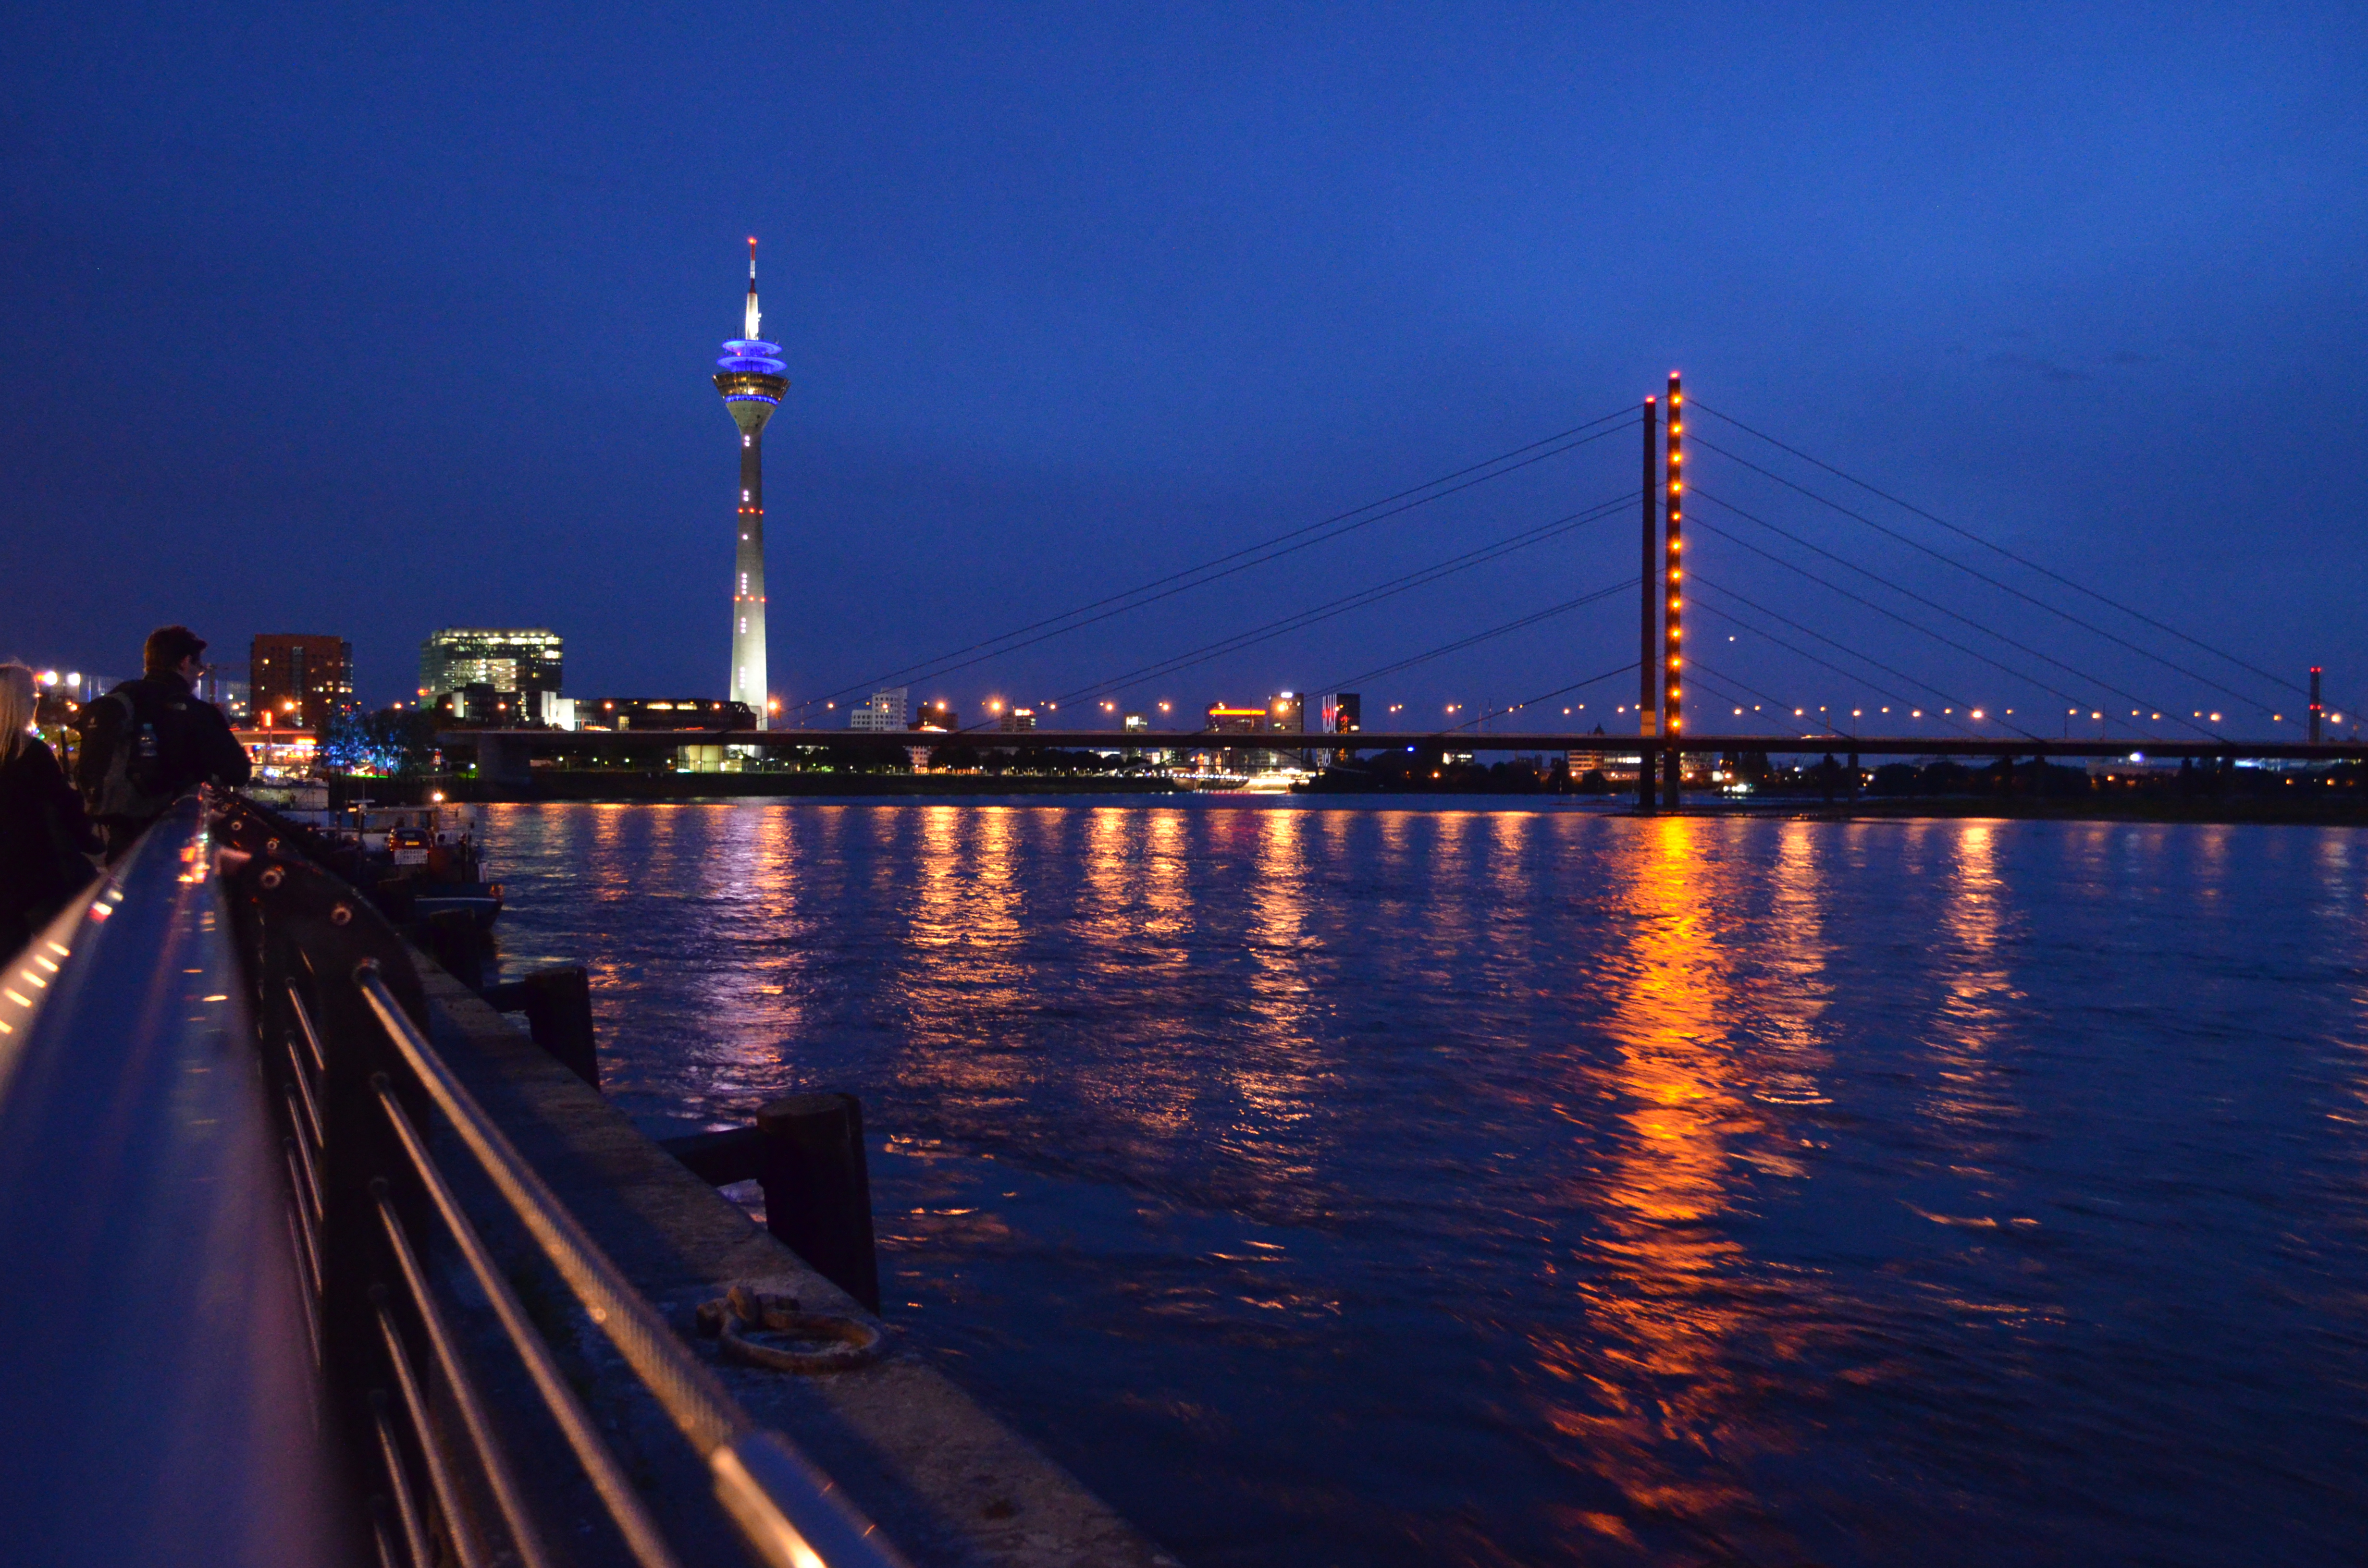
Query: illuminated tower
749,377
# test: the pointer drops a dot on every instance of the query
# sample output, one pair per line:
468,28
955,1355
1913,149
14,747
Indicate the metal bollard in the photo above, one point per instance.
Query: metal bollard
451,936
558,1008
818,1192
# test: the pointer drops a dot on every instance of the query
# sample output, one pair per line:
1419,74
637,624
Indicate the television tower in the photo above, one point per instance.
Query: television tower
749,377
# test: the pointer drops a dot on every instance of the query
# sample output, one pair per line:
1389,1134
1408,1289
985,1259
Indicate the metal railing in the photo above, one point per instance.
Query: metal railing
159,1395
361,1089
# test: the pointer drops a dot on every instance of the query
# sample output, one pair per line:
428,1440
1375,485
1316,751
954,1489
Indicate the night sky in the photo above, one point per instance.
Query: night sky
374,323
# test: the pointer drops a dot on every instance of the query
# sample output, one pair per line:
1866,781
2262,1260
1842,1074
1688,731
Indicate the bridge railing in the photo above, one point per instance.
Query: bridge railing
368,1101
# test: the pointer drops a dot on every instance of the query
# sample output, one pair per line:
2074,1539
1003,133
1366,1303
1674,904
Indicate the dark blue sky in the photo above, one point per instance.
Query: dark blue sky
374,324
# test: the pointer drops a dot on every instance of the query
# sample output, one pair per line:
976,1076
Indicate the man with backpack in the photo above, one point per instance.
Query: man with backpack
151,740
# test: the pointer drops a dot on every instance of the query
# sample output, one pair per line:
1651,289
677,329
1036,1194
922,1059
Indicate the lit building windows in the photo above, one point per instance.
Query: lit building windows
515,660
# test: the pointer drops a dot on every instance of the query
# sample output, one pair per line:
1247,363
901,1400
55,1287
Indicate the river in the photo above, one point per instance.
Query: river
1366,1185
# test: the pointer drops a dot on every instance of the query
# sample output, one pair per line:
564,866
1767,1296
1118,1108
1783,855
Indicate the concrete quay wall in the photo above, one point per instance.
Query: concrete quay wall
950,1484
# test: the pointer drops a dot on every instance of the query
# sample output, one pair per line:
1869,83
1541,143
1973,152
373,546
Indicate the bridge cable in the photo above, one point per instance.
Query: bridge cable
1914,681
1388,589
1848,675
1703,672
1560,691
1920,598
1278,547
1479,637
2011,555
1913,543
1530,619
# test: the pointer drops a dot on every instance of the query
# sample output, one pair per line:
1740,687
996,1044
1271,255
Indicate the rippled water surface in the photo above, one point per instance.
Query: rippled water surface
1418,1187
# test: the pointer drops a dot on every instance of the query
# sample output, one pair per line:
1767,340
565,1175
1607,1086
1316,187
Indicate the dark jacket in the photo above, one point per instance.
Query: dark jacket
44,843
193,739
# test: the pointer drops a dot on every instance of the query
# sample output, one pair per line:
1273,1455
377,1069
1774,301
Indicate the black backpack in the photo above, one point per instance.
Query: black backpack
131,781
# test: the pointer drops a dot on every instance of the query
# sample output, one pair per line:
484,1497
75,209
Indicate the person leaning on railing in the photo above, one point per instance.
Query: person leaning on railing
151,740
45,844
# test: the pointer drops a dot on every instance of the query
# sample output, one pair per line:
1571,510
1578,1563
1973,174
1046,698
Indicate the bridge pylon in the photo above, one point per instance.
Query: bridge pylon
1673,611
1648,618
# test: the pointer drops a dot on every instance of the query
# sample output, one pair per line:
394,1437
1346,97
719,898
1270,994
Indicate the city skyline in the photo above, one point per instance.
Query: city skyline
1173,714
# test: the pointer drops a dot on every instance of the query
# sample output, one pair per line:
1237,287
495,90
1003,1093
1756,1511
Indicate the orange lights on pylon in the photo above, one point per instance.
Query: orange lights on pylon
1672,627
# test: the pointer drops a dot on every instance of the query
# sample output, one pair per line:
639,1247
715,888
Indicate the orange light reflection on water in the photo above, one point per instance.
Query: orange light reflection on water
1654,1386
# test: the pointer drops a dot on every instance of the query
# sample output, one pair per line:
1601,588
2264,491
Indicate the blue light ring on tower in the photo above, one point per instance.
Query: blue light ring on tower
753,356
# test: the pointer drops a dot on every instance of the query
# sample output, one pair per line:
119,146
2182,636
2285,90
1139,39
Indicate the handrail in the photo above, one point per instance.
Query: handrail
789,1513
161,1400
607,1476
355,1080
474,1418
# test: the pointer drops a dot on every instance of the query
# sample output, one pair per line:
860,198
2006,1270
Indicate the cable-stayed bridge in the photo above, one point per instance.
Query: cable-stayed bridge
1771,601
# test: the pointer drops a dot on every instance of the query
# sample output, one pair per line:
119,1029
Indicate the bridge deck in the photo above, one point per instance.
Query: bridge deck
1543,741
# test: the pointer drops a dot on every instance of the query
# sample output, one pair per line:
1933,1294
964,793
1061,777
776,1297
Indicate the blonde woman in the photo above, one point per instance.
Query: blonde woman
45,845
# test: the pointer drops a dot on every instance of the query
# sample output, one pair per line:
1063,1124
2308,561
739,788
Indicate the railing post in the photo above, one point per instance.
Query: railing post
818,1192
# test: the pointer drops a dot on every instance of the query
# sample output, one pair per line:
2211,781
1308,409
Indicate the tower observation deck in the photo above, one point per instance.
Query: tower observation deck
749,377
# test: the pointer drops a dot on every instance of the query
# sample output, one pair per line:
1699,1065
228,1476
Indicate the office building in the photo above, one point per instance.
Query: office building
1583,760
299,680
1015,720
882,710
1339,713
1226,720
939,715
477,703
518,660
481,705
1286,715
749,378
1229,720
234,698
662,713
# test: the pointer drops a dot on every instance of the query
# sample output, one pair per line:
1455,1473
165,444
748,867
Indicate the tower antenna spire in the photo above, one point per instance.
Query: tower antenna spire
755,316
